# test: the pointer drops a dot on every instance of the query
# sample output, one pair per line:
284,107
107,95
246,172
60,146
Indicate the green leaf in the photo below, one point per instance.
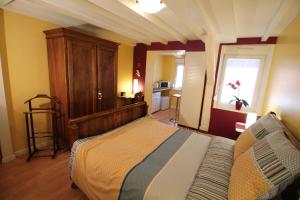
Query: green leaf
232,101
245,103
238,99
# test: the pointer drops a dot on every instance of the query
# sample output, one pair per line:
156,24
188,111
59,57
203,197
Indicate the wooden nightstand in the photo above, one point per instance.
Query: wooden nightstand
123,101
240,127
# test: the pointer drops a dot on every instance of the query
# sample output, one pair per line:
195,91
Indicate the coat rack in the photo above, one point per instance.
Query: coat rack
57,119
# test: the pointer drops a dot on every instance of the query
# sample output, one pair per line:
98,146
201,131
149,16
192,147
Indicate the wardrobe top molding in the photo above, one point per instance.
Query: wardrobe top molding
64,32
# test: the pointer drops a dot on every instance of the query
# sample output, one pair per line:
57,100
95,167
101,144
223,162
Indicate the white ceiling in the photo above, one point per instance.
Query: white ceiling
181,20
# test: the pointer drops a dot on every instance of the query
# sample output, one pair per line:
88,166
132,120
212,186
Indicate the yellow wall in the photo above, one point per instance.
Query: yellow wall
158,69
168,72
283,94
125,63
164,68
26,67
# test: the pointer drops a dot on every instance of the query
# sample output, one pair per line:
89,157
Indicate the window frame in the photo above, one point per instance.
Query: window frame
258,80
263,52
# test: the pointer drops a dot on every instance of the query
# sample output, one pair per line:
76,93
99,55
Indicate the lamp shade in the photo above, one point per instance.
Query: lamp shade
251,119
135,86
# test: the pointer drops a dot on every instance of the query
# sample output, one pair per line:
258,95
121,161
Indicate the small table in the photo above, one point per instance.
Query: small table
240,127
124,100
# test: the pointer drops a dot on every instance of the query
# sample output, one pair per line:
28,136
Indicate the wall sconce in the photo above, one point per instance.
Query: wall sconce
137,73
135,85
251,119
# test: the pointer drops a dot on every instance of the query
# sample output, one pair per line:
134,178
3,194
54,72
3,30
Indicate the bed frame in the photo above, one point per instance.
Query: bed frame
101,122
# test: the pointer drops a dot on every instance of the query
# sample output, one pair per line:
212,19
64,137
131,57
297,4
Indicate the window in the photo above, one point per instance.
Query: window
178,75
244,70
249,66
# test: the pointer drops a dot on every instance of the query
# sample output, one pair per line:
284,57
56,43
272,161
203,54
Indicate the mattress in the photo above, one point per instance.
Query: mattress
150,160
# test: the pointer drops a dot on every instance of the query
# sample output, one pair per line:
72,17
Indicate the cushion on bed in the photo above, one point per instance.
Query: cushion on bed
212,178
265,169
258,130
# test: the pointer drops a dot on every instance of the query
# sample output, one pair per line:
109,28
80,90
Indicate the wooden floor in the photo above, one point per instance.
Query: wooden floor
41,178
165,116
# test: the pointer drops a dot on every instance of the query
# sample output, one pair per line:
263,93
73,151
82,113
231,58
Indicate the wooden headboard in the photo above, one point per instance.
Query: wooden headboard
101,122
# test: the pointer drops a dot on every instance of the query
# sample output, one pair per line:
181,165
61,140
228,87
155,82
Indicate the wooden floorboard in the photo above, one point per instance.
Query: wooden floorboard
164,116
41,178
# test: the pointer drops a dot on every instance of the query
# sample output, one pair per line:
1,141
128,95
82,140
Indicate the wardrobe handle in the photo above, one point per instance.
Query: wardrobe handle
99,96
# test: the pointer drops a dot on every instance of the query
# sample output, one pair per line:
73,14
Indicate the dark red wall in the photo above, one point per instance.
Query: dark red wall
222,122
139,63
191,45
140,54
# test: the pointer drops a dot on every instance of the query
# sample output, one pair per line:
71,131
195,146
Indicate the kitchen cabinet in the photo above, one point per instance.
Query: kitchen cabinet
155,101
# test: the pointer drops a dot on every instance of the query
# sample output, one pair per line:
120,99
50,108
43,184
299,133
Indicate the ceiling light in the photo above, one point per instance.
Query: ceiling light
150,6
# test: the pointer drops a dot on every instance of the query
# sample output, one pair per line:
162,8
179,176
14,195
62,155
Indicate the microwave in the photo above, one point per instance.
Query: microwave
164,84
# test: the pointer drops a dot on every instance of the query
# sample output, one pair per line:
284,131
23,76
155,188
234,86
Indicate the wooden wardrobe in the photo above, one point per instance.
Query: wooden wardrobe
82,70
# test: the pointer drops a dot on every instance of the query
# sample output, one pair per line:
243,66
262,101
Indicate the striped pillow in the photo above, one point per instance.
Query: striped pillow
258,130
265,169
212,179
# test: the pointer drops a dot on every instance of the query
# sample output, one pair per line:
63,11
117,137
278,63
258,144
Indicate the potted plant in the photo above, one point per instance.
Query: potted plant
238,101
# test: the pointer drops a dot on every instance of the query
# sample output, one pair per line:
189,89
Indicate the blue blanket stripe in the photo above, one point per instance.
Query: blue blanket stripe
140,176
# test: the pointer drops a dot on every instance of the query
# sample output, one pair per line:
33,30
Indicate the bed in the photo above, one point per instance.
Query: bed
146,159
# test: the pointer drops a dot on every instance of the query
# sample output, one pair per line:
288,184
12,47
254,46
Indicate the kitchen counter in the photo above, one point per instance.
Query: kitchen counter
160,89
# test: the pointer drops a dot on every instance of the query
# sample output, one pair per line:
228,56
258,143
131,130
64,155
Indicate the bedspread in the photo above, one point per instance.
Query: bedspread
145,160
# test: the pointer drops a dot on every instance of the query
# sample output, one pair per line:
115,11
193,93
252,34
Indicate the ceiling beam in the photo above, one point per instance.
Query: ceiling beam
122,11
174,35
104,34
224,14
208,22
5,2
185,12
108,35
86,12
286,12
32,9
169,17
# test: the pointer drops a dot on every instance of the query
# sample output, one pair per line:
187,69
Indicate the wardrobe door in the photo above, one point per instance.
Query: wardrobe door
81,78
106,78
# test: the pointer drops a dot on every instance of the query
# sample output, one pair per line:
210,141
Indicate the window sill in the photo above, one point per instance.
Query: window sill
243,111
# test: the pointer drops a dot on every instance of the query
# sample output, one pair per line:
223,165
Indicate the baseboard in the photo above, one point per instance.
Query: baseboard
204,128
194,129
188,127
25,150
8,158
